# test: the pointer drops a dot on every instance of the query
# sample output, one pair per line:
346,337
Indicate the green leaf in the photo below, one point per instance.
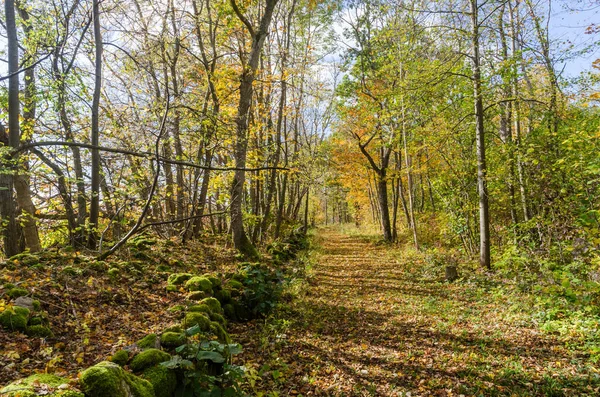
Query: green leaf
212,356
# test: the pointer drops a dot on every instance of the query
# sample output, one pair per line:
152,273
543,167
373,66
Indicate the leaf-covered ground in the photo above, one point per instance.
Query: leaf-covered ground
378,321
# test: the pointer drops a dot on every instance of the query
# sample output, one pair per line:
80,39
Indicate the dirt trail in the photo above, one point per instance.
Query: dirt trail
371,323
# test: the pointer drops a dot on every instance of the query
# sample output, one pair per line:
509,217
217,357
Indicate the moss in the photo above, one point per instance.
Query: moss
15,318
215,305
147,342
39,331
176,308
174,328
70,271
219,332
223,296
26,387
218,318
198,284
235,284
172,288
8,286
178,278
36,320
25,259
214,280
17,292
148,358
114,272
194,318
196,295
108,379
121,357
229,311
199,309
172,339
37,306
98,266
240,276
163,380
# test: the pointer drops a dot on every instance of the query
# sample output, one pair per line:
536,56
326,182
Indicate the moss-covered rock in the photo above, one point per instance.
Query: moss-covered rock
235,284
196,295
15,318
36,320
26,387
229,311
223,296
114,273
218,318
37,306
199,308
214,280
121,357
178,278
172,339
148,358
39,331
109,379
214,304
174,328
172,288
17,292
164,380
148,341
25,259
219,332
195,318
198,284
163,268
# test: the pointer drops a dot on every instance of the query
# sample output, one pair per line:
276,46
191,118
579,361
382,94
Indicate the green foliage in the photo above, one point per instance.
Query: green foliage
207,368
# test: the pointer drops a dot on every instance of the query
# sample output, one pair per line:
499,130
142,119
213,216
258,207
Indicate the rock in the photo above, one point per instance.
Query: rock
196,295
218,318
121,357
199,309
109,379
26,302
172,339
214,304
215,281
219,332
15,318
178,278
195,318
223,296
17,293
148,341
199,284
39,331
148,358
163,380
56,386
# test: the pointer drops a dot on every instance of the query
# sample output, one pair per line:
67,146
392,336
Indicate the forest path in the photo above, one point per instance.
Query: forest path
374,322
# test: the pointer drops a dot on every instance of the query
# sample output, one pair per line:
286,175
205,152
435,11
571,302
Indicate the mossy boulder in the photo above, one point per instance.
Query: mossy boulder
163,380
218,318
15,318
199,309
148,358
121,357
39,331
148,341
223,296
178,278
172,339
17,292
214,280
218,330
37,320
214,304
235,285
109,379
229,311
174,328
199,284
27,387
172,288
195,318
196,295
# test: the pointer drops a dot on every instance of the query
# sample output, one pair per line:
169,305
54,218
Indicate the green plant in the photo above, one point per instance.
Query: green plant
206,367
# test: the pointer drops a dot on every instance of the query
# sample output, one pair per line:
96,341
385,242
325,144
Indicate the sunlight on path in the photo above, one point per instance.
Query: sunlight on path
369,326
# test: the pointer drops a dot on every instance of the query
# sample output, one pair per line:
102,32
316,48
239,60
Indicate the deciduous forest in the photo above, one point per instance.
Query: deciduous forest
299,198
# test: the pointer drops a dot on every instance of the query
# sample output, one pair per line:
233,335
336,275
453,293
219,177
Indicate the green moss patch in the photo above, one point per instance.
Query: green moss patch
148,341
27,387
109,379
163,380
199,284
148,358
172,339
178,278
121,357
214,304
15,318
195,318
17,292
39,331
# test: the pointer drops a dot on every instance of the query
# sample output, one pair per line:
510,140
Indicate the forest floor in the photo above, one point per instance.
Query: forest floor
376,320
